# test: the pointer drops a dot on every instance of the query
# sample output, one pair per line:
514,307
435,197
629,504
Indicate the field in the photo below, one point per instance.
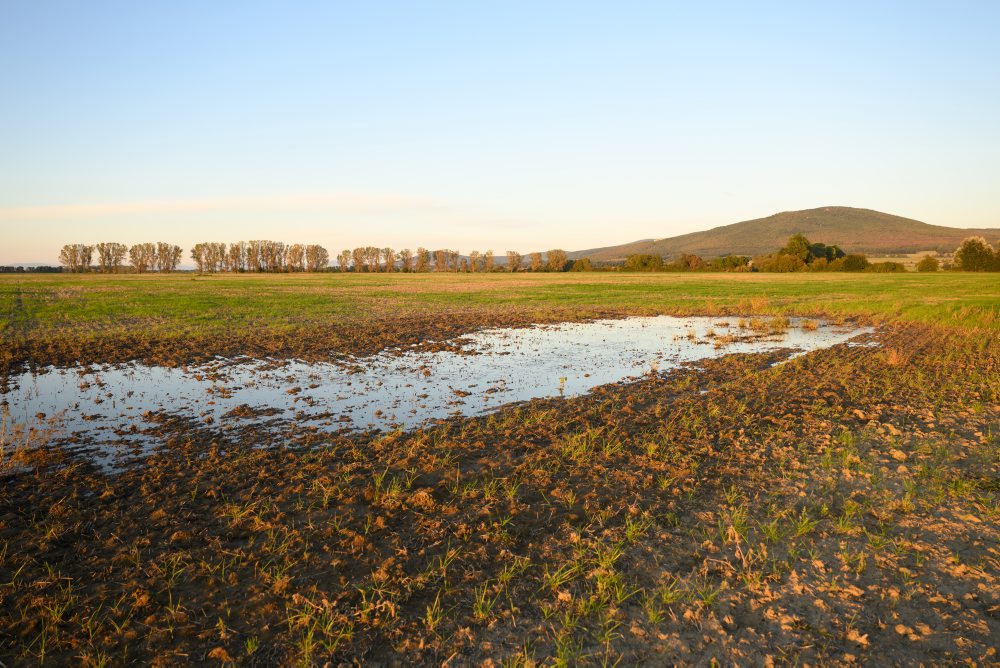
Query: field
840,507
183,318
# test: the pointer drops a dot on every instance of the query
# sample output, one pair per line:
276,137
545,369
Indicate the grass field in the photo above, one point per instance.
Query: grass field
837,508
182,317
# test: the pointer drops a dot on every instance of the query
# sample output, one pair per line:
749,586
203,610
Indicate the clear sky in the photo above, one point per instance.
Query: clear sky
475,125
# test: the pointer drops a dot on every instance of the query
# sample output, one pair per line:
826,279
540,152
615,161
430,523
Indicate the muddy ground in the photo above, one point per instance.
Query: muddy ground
841,507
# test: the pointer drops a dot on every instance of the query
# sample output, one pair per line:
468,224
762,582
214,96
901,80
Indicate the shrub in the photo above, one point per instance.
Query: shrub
886,267
643,262
928,263
856,262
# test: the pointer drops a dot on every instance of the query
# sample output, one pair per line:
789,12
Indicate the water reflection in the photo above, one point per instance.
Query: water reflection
492,368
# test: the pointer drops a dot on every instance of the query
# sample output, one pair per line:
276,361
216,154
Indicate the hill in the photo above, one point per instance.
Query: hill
854,230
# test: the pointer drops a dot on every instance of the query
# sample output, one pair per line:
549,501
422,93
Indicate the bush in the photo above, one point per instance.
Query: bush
644,262
583,264
886,267
780,263
731,263
928,263
856,262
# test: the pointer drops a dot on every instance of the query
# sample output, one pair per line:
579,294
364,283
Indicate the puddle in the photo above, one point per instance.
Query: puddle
110,405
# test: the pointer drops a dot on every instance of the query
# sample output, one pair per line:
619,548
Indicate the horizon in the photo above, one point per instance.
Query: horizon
516,127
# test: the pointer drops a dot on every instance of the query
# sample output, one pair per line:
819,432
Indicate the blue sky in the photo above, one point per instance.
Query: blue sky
514,125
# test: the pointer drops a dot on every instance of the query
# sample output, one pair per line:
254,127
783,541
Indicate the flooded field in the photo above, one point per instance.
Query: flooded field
733,485
107,405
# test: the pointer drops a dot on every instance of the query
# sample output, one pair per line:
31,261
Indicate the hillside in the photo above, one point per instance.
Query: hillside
854,230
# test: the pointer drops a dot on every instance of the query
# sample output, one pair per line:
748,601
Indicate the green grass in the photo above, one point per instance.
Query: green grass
225,301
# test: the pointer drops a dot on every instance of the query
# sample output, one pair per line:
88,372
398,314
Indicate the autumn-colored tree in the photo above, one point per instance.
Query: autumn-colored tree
167,257
405,260
474,257
441,260
142,257
76,257
423,260
317,258
198,255
488,261
536,262
236,257
389,259
344,260
556,259
358,259
295,257
513,260
110,256
928,263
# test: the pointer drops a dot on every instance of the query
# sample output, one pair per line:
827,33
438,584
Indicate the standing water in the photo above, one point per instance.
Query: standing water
396,389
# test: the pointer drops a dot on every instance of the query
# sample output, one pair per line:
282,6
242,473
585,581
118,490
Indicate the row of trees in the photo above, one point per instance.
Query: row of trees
259,256
275,256
372,259
799,254
111,256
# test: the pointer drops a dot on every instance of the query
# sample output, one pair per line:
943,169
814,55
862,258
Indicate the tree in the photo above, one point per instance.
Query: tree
255,255
405,260
975,254
556,259
110,256
198,255
513,260
344,260
643,262
536,262
317,258
236,258
797,246
440,260
488,261
928,263
295,257
372,257
423,260
474,257
143,257
389,259
166,257
76,257
358,259
690,262
583,264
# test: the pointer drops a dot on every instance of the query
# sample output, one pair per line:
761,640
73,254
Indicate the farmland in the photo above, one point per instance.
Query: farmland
836,507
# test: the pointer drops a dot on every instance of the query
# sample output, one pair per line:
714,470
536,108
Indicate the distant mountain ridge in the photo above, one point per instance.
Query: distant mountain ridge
854,230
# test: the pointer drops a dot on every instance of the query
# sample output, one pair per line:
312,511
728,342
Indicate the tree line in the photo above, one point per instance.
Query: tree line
799,254
276,256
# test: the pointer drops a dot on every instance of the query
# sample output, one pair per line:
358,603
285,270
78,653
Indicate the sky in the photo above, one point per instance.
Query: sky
485,125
